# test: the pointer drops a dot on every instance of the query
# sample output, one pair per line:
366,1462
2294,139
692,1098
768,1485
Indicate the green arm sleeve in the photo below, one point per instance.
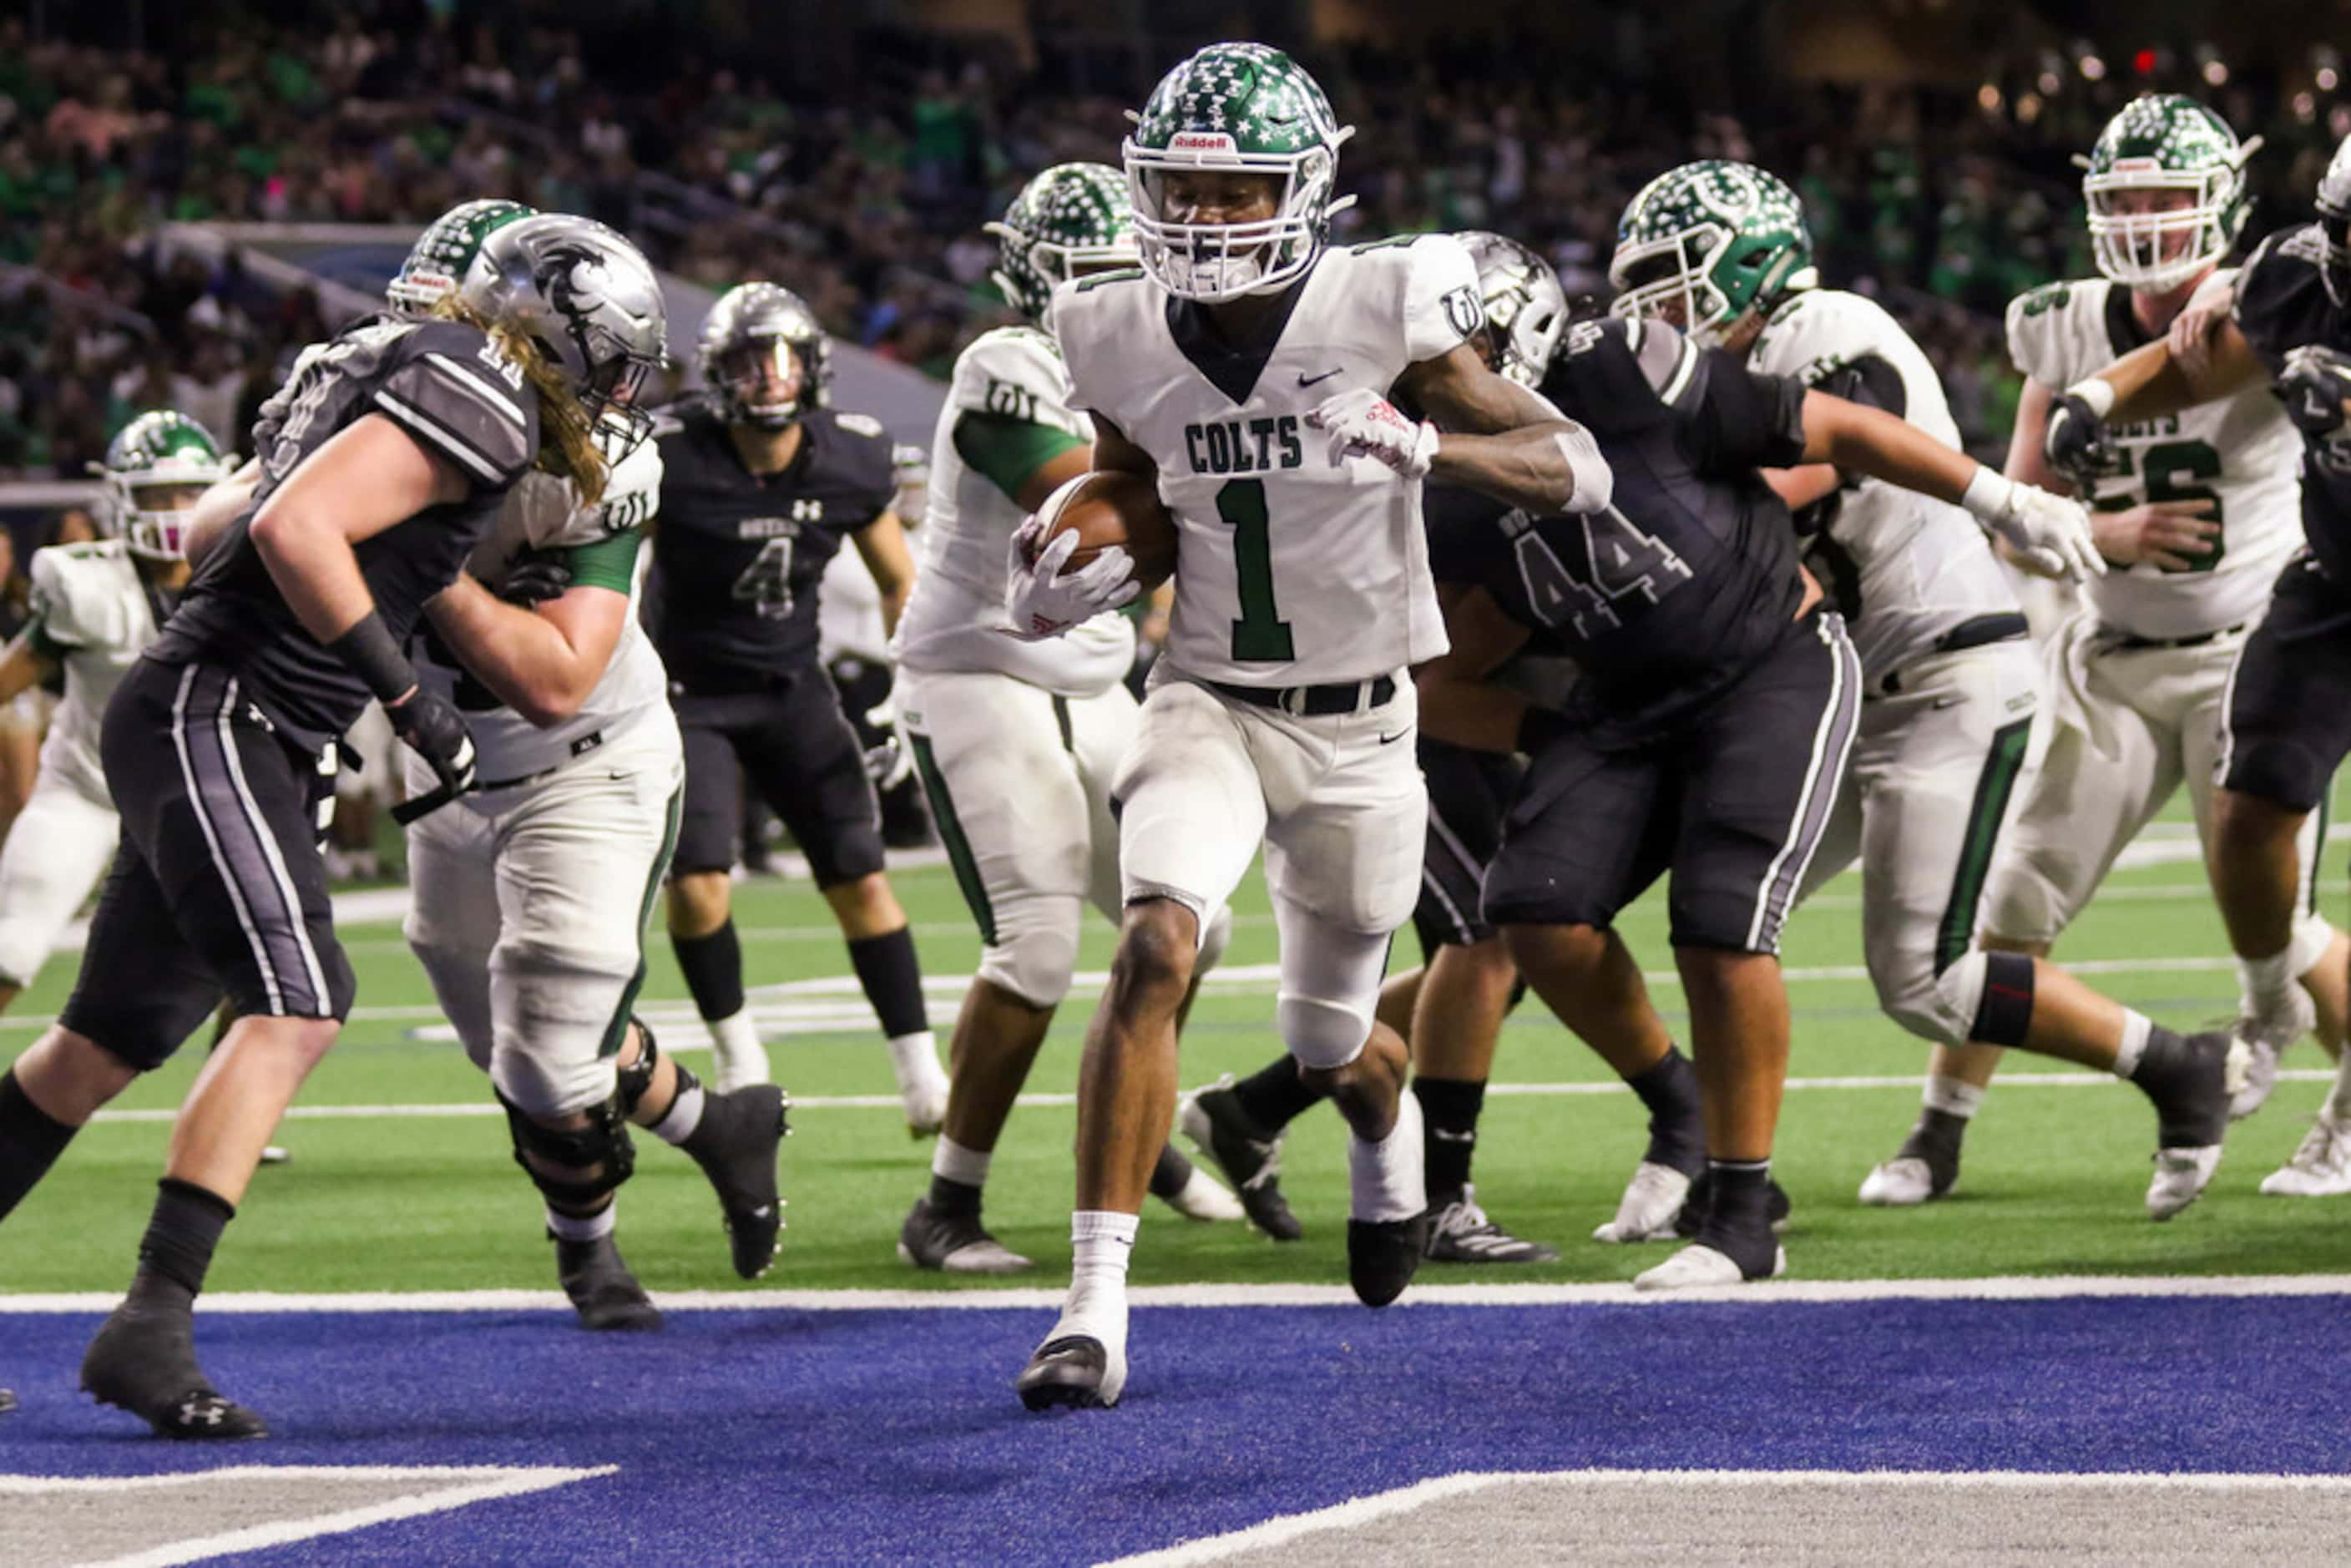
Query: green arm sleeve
1006,449
607,563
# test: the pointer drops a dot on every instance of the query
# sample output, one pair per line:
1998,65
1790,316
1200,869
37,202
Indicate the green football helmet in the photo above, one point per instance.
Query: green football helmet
153,471
1719,239
436,263
1249,109
2165,141
1072,215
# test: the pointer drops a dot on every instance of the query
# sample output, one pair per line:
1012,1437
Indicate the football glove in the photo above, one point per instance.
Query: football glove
2076,443
1362,424
1042,600
2052,533
888,762
2315,382
534,578
436,731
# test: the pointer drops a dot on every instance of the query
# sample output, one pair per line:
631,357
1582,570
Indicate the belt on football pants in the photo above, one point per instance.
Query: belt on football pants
1314,702
1977,632
2131,644
580,746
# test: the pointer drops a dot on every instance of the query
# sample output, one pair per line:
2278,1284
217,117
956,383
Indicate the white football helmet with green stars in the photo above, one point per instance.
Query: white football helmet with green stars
2165,141
436,263
1716,239
1249,110
161,455
1071,217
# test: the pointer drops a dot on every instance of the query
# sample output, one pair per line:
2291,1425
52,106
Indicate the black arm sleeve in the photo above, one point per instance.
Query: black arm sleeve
1736,419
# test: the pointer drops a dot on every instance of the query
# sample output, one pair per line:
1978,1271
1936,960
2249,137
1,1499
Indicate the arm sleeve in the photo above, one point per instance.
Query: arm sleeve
462,405
610,563
1443,305
1736,419
1008,451
2263,312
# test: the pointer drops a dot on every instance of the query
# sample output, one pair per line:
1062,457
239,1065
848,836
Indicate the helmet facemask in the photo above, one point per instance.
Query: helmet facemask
2151,251
153,514
760,382
1052,263
1214,262
2335,227
1675,275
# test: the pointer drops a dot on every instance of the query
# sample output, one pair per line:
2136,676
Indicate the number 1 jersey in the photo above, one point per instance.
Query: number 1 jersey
1290,570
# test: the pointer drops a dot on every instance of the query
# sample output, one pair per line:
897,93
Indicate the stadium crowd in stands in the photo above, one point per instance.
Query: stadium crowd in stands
1944,204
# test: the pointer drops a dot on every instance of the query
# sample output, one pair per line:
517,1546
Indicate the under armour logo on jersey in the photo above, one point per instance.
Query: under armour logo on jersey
808,511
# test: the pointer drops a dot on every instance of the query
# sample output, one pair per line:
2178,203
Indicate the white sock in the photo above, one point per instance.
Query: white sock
915,1059
1388,1180
595,1228
1953,1096
741,1058
957,1163
2136,1026
1103,1240
684,1116
2266,979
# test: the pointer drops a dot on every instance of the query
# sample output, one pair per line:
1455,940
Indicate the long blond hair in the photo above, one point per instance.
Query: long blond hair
566,444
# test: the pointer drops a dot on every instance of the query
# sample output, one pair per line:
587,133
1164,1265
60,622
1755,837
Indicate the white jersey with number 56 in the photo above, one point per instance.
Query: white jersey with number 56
1290,570
2238,453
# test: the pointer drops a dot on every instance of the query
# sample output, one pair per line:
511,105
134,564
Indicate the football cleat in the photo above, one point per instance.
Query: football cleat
1383,1255
1460,1233
736,1147
953,1243
1203,1198
276,1155
2258,1041
2321,1167
144,1360
1902,1181
2191,1107
1698,1265
1073,1371
2180,1177
1250,1160
1652,1199
602,1290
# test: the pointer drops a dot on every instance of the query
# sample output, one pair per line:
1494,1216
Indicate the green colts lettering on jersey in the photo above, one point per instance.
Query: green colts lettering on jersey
1245,446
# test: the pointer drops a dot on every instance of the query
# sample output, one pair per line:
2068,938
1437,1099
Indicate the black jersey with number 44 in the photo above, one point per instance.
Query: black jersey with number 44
460,398
1691,573
2283,305
737,556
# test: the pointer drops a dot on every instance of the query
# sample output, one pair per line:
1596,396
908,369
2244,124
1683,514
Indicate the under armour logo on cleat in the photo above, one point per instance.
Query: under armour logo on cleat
207,1410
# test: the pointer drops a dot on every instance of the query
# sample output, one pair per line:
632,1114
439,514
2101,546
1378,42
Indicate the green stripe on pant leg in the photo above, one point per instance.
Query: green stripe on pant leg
2318,848
950,826
618,1029
1994,785
1062,718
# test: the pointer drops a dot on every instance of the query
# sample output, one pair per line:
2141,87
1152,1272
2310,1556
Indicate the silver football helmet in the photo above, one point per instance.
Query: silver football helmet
588,299
1526,310
762,356
2335,225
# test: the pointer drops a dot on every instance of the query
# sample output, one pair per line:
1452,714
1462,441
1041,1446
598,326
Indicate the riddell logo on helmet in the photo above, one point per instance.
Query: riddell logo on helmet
1201,142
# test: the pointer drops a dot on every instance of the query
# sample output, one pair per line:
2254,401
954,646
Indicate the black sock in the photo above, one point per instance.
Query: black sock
714,970
949,1196
1172,1174
1274,1095
30,1143
181,1236
1448,1109
1676,1131
892,977
1739,1217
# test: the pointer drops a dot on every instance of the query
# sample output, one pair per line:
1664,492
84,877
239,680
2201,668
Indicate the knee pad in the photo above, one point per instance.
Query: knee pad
1990,995
1035,946
1320,1034
633,1082
2313,935
1213,939
601,1150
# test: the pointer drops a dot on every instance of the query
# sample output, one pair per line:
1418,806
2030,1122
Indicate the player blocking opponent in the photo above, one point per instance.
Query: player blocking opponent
1246,371
761,482
1017,742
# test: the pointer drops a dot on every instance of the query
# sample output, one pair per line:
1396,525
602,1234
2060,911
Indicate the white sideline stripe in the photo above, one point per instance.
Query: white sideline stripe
465,1108
488,1481
1770,1293
1382,1505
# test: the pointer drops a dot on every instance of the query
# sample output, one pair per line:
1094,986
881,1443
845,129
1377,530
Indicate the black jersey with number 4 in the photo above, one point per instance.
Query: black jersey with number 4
738,555
2283,305
461,399
1691,573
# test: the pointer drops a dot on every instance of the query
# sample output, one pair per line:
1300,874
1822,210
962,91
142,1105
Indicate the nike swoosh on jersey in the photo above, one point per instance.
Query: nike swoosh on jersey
1392,739
1306,380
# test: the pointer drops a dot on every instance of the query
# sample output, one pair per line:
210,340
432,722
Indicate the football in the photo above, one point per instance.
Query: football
1106,508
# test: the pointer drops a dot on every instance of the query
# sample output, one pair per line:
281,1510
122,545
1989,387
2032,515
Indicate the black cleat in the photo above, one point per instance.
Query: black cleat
954,1242
1459,1232
1074,1371
736,1147
2188,1079
1383,1255
1698,1207
605,1293
1250,1158
144,1360
1924,1168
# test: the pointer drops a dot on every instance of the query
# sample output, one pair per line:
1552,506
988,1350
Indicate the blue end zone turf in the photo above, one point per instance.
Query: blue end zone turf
895,1435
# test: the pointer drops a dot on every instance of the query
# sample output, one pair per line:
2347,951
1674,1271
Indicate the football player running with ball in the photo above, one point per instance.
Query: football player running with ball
1017,742
95,607
762,482
2285,709
1246,371
2146,688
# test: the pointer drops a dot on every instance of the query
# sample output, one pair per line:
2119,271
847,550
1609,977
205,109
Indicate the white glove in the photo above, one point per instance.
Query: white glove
2051,532
1362,424
1042,603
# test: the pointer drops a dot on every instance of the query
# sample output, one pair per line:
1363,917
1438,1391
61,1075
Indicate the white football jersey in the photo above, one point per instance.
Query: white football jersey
1290,570
1902,568
542,514
956,620
2239,452
93,613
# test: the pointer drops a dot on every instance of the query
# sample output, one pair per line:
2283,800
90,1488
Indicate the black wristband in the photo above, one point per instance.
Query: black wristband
1537,727
371,652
